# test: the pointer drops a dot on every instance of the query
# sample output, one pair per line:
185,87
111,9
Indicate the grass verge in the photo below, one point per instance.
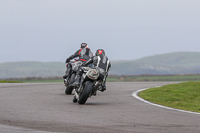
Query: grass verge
185,96
10,81
150,78
43,81
116,78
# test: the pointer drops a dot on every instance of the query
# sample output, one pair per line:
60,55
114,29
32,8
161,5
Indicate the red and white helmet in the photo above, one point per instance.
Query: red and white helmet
99,52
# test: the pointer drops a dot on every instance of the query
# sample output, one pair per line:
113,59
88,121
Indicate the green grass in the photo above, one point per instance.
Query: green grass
116,78
144,78
43,81
37,79
10,81
185,96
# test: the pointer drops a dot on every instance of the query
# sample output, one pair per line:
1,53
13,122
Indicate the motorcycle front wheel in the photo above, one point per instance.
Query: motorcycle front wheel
86,92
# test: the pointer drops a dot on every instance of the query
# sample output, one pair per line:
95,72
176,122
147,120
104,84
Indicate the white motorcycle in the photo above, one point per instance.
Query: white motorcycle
73,67
88,85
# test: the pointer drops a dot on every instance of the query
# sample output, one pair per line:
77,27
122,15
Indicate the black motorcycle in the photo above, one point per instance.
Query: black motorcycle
72,67
88,85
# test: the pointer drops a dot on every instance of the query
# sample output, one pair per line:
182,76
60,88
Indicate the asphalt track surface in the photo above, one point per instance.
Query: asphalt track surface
44,108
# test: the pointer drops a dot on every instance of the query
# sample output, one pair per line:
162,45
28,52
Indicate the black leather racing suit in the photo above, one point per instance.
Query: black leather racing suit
84,54
101,63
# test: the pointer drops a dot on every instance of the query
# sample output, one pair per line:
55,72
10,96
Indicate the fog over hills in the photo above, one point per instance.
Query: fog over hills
170,63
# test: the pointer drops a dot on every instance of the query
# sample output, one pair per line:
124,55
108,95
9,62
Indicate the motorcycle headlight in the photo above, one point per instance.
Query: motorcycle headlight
93,74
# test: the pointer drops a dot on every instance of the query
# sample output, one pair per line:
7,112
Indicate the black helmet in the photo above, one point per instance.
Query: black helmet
83,45
99,52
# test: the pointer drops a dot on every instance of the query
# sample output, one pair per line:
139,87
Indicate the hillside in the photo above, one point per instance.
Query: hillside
31,69
170,63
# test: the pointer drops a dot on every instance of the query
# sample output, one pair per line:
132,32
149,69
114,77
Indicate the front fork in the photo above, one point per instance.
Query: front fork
77,92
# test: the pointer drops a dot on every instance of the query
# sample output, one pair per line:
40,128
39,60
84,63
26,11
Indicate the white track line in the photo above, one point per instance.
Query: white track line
135,94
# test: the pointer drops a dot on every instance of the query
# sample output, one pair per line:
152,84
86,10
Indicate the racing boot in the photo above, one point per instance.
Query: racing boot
102,88
65,76
67,73
77,81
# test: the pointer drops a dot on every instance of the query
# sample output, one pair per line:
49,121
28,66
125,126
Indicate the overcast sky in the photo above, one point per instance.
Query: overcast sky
52,30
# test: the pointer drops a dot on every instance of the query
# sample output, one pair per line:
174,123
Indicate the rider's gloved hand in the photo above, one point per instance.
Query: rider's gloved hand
67,60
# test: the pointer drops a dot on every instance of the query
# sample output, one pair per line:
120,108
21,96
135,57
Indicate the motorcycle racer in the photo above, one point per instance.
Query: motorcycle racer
84,53
101,63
